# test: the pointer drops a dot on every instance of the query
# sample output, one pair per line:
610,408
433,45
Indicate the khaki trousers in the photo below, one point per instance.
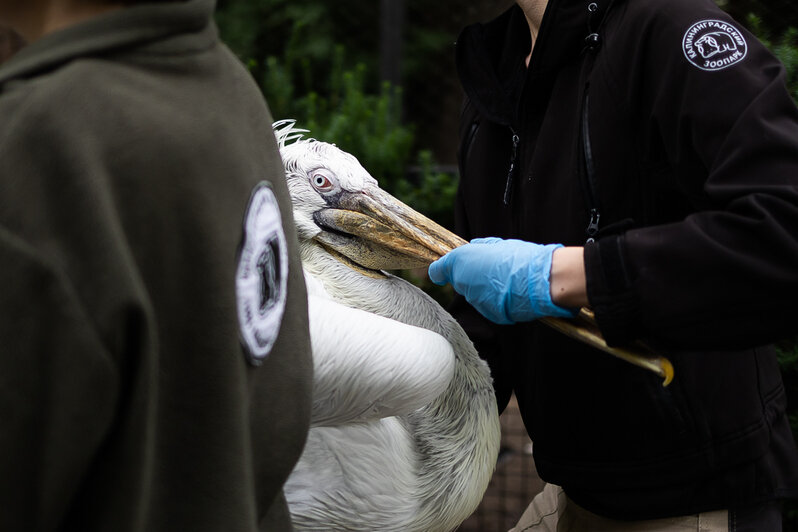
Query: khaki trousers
552,511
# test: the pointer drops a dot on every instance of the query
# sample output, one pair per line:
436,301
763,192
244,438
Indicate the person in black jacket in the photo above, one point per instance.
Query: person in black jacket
640,158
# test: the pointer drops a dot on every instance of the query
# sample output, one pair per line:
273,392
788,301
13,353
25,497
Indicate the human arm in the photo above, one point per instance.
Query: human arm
507,281
568,282
724,276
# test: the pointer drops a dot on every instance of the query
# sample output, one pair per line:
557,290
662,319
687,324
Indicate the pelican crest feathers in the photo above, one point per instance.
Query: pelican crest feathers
285,132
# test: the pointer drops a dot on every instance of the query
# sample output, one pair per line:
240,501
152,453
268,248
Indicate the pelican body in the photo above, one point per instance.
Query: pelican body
404,431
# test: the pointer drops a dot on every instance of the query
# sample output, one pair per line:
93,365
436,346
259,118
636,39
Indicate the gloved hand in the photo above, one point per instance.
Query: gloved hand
507,281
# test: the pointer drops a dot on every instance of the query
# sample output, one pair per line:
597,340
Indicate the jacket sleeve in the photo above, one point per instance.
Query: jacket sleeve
727,275
57,391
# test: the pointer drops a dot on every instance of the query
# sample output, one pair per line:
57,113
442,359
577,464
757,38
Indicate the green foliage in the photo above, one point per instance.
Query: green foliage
309,78
784,46
333,92
366,124
786,49
302,32
431,192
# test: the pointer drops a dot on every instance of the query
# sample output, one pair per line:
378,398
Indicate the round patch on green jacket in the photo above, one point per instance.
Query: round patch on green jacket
262,275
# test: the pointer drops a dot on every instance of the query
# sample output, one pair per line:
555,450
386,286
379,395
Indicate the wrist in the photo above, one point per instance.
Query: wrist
567,280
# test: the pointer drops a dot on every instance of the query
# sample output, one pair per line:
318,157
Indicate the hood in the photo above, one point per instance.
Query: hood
490,57
157,27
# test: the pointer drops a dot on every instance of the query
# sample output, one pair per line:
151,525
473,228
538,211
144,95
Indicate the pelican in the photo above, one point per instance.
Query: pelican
404,428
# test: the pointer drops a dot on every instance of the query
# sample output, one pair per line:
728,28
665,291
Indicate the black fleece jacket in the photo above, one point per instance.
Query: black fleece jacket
690,199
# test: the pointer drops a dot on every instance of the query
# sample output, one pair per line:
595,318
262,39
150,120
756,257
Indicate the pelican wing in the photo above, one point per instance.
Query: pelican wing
356,477
368,367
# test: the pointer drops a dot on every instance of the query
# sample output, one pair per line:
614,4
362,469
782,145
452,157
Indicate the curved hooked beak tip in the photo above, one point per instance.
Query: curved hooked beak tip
585,329
377,231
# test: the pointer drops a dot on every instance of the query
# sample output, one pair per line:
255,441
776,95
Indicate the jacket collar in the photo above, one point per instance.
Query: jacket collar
146,26
490,57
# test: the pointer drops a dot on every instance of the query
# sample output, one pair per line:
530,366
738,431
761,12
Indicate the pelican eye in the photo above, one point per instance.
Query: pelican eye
322,180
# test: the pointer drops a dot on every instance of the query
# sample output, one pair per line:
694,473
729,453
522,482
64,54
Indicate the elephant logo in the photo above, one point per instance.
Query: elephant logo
713,45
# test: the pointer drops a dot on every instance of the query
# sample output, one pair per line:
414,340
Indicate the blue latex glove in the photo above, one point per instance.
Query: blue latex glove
507,281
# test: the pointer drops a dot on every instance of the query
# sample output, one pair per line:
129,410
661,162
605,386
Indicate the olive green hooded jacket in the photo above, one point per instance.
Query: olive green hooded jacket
140,184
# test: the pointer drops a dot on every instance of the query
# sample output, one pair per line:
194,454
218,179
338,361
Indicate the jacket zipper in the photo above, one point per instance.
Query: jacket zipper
592,42
590,171
508,188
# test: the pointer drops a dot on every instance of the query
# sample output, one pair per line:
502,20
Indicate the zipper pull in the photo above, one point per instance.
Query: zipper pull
508,189
593,39
593,225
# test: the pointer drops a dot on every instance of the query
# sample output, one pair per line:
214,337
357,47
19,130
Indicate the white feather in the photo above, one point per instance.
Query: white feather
352,384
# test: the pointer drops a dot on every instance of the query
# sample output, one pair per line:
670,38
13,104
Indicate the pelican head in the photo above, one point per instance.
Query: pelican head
338,205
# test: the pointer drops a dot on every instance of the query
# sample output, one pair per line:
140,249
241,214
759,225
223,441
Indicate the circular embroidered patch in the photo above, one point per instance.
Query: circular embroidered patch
262,275
714,45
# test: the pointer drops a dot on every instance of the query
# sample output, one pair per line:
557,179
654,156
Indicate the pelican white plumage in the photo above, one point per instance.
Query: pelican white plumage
405,429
